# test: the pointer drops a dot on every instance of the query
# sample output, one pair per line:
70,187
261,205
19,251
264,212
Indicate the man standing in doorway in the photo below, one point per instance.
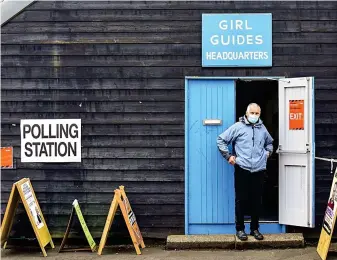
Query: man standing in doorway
252,145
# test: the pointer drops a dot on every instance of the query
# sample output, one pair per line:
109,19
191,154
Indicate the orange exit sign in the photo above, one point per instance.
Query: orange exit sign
296,114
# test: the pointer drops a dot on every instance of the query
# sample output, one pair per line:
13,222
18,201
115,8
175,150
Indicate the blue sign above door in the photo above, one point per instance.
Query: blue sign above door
237,40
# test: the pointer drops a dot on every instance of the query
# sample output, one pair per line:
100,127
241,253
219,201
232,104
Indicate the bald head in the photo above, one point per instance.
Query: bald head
253,107
253,112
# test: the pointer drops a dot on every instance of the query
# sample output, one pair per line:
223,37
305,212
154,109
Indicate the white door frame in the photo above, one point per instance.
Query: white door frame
270,78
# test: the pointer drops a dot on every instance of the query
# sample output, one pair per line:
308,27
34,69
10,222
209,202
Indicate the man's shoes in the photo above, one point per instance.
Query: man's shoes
256,234
241,235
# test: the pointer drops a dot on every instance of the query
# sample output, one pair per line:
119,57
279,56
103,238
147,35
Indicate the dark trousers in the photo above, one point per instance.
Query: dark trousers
248,197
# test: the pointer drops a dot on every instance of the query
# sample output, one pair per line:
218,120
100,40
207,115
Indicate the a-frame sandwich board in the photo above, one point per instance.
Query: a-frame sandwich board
77,210
329,221
120,199
23,190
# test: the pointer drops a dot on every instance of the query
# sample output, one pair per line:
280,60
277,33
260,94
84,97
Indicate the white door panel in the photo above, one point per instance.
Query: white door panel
296,152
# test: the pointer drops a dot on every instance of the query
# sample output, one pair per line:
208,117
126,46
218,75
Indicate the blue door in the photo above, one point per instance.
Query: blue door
209,182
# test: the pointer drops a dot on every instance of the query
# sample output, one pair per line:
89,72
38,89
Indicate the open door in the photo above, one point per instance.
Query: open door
296,152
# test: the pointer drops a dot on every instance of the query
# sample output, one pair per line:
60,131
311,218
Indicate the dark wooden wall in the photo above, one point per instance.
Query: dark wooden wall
120,67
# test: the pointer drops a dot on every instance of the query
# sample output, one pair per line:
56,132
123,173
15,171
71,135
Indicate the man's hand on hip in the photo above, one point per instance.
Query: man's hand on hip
231,160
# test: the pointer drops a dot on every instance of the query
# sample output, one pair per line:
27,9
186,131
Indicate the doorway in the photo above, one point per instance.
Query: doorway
264,93
214,104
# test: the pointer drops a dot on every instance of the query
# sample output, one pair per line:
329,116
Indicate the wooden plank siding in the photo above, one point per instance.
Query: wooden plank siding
120,67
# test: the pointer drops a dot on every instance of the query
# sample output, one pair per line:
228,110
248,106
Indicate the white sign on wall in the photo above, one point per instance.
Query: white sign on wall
50,140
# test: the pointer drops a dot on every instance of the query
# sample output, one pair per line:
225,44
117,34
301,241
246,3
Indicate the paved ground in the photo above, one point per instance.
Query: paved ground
308,253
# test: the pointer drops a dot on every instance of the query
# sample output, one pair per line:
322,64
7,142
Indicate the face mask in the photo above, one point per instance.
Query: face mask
253,118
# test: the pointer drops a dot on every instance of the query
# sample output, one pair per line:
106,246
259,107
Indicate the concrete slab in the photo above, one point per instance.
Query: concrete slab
180,242
289,240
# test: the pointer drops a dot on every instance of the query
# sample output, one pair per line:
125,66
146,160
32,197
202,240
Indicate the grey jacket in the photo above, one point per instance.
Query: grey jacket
250,144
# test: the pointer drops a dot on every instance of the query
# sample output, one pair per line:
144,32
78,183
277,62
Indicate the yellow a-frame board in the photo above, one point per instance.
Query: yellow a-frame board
329,221
23,190
120,199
